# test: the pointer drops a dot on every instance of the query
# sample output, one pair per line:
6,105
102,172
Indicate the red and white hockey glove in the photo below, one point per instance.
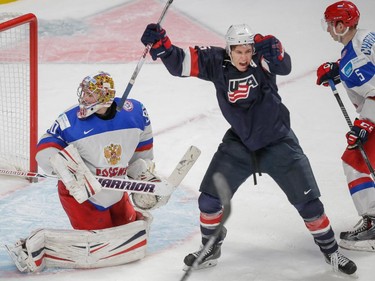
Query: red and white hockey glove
156,35
269,47
328,71
359,132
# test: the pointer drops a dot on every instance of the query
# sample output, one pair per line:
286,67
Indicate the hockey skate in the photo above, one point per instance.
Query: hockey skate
340,263
362,238
20,256
210,257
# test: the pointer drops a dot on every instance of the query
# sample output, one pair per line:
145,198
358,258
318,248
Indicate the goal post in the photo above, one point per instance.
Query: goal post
18,91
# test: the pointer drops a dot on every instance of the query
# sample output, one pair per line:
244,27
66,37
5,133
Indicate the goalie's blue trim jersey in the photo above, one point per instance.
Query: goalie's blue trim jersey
103,144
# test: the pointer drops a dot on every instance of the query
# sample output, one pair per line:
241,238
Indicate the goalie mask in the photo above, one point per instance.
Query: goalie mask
94,93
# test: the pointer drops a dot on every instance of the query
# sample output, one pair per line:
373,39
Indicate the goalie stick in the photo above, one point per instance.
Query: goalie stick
140,63
225,195
117,184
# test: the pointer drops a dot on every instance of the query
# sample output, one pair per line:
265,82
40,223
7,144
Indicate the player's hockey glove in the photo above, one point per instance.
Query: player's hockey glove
269,47
328,71
156,35
359,132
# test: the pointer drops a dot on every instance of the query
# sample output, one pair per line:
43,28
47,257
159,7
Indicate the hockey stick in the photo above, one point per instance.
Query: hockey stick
118,184
350,124
140,63
225,195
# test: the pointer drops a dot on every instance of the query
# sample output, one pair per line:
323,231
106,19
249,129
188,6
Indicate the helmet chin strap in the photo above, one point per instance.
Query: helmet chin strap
340,35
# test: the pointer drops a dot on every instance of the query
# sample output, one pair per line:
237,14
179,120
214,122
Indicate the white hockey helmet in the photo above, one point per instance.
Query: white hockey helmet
238,34
101,87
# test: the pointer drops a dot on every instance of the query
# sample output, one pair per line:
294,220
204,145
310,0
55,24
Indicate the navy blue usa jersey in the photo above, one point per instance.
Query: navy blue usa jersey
248,100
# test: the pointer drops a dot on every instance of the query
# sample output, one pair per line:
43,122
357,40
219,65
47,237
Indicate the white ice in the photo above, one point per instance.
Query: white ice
266,239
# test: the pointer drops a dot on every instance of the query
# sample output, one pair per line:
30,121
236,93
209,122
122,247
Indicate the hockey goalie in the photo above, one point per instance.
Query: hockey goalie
88,140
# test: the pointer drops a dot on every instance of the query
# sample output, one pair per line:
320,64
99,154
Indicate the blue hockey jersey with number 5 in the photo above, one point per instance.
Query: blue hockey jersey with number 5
248,100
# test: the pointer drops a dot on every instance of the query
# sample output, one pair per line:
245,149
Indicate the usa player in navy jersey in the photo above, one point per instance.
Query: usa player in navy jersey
259,138
89,139
356,70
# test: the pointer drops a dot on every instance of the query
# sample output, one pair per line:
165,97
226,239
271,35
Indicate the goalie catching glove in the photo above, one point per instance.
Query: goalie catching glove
74,173
144,170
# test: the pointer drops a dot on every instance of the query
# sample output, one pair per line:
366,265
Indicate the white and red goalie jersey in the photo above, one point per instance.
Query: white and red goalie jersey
106,144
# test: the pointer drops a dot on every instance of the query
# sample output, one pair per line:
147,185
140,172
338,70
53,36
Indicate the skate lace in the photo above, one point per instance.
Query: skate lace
362,225
207,252
337,260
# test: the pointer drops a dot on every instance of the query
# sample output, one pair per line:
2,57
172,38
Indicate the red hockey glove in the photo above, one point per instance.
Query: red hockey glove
327,71
269,47
359,132
156,35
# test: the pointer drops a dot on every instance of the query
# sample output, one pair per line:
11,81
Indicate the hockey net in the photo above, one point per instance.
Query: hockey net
18,91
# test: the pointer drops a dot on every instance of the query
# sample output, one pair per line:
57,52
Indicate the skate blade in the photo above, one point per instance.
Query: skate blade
365,245
203,265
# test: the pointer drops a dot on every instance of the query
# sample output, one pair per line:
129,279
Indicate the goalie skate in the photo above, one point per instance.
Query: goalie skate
18,254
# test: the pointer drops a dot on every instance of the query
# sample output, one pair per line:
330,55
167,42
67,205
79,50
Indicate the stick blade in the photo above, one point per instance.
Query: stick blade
184,166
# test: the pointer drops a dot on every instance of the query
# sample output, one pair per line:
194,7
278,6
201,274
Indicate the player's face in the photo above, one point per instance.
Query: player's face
88,98
337,32
331,30
241,56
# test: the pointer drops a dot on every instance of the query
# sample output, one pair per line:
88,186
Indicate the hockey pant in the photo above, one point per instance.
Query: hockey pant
87,216
360,184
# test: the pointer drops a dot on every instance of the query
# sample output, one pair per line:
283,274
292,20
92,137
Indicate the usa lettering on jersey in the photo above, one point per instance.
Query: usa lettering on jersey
240,88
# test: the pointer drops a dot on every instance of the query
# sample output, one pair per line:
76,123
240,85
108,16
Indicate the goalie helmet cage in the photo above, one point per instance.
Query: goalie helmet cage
18,91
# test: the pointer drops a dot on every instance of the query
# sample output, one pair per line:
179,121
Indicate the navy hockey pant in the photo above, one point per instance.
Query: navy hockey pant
286,163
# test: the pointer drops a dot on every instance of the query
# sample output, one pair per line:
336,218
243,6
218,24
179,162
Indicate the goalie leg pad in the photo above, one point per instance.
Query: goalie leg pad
74,173
82,249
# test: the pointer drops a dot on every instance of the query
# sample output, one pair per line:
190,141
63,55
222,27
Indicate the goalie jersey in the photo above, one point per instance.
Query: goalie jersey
107,144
